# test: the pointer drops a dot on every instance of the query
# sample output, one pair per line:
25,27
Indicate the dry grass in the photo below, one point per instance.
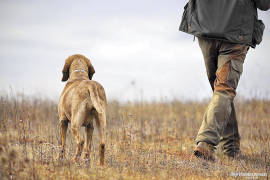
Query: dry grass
144,141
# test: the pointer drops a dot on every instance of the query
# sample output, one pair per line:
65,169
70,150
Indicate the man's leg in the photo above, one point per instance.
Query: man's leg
215,119
210,51
207,137
220,115
234,55
230,140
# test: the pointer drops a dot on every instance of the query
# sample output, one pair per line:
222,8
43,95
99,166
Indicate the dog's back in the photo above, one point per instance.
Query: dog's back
77,92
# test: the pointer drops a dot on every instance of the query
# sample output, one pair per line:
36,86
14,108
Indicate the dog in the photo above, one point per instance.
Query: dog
81,101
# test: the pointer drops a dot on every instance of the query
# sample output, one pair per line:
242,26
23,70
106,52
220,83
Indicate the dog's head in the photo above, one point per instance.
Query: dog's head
77,61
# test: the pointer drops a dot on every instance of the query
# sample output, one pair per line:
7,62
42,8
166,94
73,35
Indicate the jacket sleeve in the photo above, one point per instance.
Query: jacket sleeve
262,4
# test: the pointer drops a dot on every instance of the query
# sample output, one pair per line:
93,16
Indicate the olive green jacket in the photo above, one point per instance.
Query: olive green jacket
235,21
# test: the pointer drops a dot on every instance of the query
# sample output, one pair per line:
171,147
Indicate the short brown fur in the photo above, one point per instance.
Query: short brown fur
81,101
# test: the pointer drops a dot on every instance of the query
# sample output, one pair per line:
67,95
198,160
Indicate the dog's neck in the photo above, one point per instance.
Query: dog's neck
78,74
78,70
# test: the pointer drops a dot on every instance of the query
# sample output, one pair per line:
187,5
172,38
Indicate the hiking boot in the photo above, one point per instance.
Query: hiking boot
205,151
235,155
234,152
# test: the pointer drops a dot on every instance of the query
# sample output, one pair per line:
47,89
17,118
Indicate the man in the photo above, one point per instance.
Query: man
225,30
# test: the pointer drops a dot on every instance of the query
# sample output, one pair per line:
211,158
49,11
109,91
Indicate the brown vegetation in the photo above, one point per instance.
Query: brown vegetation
144,141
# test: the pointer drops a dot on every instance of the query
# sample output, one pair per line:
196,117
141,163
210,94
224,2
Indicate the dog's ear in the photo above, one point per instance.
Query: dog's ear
91,70
67,65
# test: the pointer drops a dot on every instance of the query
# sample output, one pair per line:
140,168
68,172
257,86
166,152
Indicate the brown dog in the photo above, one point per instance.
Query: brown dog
81,101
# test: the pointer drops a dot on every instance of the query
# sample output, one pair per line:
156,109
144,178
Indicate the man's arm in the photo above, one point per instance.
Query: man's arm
262,4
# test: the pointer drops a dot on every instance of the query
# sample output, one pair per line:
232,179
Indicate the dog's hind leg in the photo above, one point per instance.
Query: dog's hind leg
62,126
101,124
89,129
76,124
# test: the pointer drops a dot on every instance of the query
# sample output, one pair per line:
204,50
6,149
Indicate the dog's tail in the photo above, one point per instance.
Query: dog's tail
93,101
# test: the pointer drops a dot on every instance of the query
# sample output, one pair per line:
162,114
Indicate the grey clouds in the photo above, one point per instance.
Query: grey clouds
135,47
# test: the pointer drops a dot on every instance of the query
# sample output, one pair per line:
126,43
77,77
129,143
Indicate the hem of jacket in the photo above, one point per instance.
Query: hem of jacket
220,39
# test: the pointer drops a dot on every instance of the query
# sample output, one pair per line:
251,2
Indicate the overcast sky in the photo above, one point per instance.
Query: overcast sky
135,47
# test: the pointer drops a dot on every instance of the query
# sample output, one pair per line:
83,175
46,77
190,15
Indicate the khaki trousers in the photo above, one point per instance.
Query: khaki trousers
224,66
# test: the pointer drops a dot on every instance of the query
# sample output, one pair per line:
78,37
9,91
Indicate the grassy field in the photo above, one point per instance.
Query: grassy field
144,141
